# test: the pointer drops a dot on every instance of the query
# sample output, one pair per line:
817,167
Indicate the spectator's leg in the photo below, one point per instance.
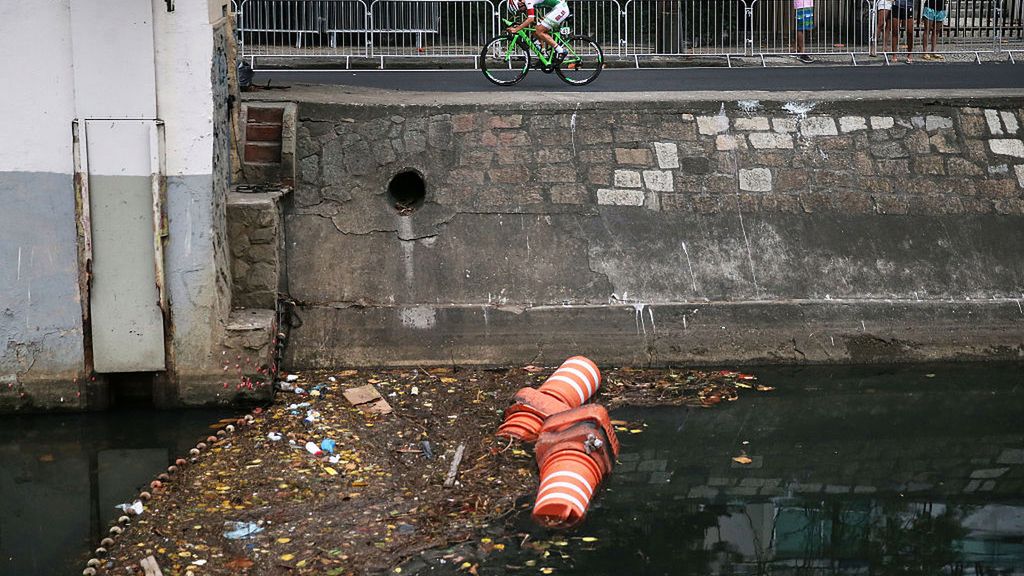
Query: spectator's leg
878,32
894,25
884,26
925,53
910,38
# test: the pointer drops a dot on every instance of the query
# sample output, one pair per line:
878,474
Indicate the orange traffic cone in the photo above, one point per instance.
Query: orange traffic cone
586,429
524,418
569,386
567,485
575,450
575,381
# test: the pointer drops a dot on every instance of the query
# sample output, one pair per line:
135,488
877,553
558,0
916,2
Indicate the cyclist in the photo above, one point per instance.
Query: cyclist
558,11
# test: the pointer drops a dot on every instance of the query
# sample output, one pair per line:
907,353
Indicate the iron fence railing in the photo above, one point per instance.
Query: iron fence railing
347,29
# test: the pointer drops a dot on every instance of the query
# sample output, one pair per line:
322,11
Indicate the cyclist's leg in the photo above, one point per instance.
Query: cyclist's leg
553,18
541,32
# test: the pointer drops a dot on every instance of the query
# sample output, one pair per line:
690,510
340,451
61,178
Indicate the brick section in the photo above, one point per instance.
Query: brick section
263,133
263,152
265,115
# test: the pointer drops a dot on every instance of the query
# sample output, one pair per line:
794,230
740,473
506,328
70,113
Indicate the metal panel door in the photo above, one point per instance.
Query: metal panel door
123,160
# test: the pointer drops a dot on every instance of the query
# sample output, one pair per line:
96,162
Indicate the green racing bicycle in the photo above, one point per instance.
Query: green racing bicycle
507,58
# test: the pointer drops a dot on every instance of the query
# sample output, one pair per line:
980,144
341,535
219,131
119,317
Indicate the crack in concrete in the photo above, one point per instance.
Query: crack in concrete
590,260
797,349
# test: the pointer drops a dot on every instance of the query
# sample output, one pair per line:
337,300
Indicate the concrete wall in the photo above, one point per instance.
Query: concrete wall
658,232
44,345
198,276
40,302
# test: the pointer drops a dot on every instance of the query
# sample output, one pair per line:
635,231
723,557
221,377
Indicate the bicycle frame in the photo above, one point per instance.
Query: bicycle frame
524,35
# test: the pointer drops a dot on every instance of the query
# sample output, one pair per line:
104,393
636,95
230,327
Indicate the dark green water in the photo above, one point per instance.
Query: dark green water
62,475
854,471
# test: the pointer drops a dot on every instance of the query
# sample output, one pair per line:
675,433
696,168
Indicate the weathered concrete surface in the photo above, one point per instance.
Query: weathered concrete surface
40,305
785,332
45,347
799,231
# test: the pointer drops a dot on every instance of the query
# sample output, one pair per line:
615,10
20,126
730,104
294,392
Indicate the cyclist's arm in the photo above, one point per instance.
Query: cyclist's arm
531,17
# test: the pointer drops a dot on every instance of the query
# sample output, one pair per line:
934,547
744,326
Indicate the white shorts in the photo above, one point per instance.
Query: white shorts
884,5
555,16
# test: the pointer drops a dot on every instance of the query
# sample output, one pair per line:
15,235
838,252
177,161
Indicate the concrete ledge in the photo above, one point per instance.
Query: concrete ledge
548,100
697,334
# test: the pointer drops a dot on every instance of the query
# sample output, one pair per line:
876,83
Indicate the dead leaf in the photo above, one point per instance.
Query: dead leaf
240,564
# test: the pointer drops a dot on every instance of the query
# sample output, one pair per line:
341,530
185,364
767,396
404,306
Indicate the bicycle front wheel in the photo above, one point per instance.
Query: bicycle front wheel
583,63
504,60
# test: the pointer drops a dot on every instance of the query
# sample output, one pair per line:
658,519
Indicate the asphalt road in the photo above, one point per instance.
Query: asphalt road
918,76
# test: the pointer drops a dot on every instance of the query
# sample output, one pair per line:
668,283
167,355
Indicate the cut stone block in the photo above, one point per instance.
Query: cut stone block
615,197
756,180
668,155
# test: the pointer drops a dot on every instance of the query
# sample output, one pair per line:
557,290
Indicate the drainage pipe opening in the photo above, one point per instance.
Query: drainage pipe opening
406,191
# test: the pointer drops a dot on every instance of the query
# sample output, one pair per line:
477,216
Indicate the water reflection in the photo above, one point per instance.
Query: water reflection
62,475
853,471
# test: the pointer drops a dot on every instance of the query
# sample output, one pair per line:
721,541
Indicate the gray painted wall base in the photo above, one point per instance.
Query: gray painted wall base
662,334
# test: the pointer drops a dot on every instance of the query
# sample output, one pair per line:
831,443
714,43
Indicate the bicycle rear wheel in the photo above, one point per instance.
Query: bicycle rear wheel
583,63
504,61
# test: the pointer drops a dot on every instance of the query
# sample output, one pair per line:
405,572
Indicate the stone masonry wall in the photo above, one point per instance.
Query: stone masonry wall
791,158
660,232
254,232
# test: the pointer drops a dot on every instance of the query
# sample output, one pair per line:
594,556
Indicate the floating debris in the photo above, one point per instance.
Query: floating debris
346,482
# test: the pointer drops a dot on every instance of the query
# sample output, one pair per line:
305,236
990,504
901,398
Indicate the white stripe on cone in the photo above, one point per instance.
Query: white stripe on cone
545,487
579,361
583,378
574,476
562,496
559,378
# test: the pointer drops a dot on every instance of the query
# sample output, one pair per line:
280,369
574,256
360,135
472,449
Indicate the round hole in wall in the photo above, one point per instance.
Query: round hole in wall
406,191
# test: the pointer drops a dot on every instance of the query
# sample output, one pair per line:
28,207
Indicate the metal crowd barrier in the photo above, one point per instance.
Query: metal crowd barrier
336,31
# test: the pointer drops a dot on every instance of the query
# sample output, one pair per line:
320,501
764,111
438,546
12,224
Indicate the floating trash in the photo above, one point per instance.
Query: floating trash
240,530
